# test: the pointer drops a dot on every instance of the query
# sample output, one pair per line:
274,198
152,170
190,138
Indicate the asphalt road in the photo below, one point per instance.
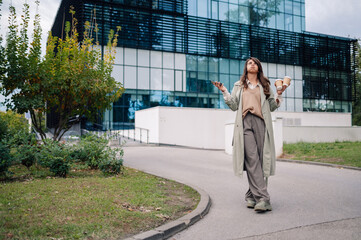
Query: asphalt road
309,202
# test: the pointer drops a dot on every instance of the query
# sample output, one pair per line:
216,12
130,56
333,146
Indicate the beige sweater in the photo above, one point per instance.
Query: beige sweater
251,102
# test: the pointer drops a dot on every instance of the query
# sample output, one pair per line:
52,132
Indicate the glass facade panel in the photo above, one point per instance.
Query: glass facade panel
298,89
180,61
223,11
280,21
281,6
297,24
156,59
233,13
298,105
143,58
168,80
288,22
202,8
297,8
130,56
168,60
143,78
117,73
224,65
290,93
214,10
272,70
192,7
203,64
178,80
118,56
130,77
213,64
234,66
243,15
156,79
290,104
288,6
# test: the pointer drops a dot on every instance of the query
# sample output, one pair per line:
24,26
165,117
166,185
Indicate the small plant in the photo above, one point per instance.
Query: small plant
112,164
24,148
56,157
91,150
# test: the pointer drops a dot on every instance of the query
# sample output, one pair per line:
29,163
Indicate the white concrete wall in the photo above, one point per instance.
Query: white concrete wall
314,118
149,119
192,127
293,134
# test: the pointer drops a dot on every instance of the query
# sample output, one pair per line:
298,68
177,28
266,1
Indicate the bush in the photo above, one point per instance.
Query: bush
5,159
56,157
96,154
112,164
90,150
24,148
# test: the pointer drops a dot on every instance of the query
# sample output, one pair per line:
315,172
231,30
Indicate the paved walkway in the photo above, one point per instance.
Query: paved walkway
309,202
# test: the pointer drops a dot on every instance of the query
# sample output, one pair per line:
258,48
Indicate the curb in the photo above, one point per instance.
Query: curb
169,229
319,164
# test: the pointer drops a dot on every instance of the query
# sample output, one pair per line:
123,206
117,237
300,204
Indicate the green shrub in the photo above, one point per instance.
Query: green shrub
112,163
24,148
56,157
5,159
91,150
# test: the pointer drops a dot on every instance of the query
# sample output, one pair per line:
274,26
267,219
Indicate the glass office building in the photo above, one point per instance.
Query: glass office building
169,51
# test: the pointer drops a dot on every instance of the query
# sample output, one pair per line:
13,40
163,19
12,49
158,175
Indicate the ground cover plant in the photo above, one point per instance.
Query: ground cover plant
87,204
341,153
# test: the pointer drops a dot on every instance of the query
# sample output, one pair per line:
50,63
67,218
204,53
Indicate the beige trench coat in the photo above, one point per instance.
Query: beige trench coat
234,101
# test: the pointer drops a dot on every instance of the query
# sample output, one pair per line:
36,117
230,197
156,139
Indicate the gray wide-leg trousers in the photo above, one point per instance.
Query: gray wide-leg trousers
253,132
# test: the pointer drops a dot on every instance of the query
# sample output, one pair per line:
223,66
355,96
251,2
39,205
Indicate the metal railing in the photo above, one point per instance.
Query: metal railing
137,134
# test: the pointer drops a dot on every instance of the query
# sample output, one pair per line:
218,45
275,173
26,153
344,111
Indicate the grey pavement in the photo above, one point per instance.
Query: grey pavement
309,201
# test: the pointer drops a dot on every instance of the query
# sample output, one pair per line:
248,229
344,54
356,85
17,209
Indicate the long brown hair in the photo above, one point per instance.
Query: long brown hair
263,80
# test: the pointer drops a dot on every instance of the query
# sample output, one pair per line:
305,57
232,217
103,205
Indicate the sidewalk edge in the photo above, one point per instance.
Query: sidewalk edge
319,164
169,229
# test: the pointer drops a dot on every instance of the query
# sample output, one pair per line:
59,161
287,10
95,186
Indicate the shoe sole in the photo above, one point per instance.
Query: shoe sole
250,206
262,210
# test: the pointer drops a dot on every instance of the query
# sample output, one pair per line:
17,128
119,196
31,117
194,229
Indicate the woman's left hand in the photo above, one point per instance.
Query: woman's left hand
279,92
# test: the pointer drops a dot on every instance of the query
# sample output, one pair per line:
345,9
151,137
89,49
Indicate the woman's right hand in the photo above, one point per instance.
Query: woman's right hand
220,86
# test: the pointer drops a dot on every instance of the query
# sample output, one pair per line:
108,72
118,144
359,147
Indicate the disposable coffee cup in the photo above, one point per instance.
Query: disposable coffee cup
279,84
286,81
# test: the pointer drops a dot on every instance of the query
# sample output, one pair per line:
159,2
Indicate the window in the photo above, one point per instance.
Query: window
143,58
130,77
168,80
143,78
156,79
168,60
130,56
117,73
156,59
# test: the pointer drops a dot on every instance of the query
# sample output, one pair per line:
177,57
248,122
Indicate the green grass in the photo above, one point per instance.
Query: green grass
341,153
87,205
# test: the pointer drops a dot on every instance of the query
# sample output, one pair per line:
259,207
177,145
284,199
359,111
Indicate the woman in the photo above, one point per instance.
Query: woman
253,142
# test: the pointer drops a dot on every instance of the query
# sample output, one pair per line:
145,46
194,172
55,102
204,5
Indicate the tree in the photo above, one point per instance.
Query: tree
356,104
71,80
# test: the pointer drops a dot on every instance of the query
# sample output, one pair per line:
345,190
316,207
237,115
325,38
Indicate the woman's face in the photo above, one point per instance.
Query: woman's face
252,67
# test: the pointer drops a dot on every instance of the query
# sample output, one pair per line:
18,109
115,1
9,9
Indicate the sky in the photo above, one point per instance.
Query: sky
332,17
